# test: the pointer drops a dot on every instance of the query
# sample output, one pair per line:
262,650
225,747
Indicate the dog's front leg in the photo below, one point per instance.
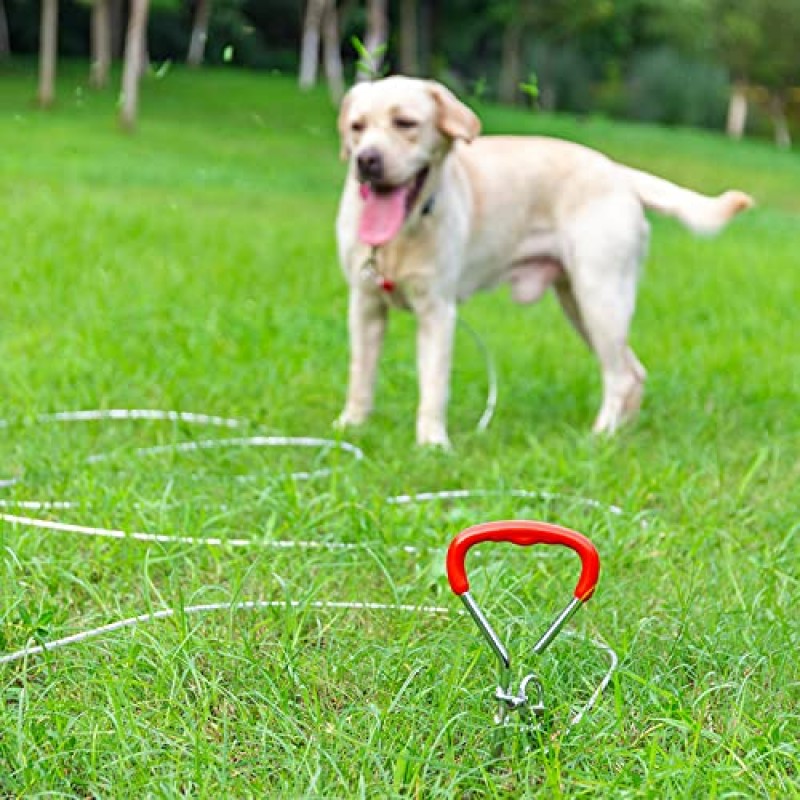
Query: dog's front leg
366,319
436,320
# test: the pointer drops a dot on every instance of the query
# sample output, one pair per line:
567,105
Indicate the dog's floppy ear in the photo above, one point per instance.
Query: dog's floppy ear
455,119
344,109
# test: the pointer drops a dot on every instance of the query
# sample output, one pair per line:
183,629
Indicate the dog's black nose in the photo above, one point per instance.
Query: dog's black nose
370,164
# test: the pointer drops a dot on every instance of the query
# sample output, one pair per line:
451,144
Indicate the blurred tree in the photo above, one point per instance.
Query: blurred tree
778,65
48,53
738,41
332,51
199,37
375,39
658,59
513,19
409,37
5,41
428,27
101,44
545,28
756,40
321,22
135,59
309,47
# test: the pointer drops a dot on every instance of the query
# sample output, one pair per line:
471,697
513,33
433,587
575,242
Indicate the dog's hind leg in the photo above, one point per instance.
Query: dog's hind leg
599,299
569,305
607,318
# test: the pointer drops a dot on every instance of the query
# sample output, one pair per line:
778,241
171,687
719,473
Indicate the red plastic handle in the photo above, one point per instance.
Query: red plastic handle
523,532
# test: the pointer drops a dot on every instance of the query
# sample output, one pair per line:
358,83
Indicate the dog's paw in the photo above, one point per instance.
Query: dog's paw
441,445
433,435
623,409
350,418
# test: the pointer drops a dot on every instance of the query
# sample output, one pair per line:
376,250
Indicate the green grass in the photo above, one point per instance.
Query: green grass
193,267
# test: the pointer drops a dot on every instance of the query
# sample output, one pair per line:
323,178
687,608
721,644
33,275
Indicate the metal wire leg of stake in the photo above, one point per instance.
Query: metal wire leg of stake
522,533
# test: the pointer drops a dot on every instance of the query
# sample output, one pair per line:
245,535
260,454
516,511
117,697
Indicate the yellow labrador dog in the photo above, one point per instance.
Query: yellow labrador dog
431,213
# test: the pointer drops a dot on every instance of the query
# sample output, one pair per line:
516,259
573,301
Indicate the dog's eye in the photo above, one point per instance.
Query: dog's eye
357,127
404,123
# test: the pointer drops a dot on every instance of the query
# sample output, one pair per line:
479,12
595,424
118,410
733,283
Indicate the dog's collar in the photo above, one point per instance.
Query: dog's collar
370,272
394,294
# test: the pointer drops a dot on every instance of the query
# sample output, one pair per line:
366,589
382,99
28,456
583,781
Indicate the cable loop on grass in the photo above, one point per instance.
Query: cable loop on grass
255,441
155,414
330,605
246,605
206,444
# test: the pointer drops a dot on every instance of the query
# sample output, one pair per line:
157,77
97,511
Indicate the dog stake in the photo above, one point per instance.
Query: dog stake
523,533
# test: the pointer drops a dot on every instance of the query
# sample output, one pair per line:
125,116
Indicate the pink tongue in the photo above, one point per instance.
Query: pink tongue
383,214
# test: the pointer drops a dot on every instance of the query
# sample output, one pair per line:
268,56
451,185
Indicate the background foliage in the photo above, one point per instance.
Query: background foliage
669,62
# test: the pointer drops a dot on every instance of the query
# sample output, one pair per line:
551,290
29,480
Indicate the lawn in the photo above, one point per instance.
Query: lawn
192,267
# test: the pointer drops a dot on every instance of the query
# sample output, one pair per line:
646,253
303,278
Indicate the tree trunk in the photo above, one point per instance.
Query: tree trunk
548,95
511,64
197,44
777,110
101,44
427,28
409,38
48,53
309,53
375,40
332,52
5,41
135,48
737,111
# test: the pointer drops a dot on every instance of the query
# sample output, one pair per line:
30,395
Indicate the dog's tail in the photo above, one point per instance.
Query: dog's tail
699,213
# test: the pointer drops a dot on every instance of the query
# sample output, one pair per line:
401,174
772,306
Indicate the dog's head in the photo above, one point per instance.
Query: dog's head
394,131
